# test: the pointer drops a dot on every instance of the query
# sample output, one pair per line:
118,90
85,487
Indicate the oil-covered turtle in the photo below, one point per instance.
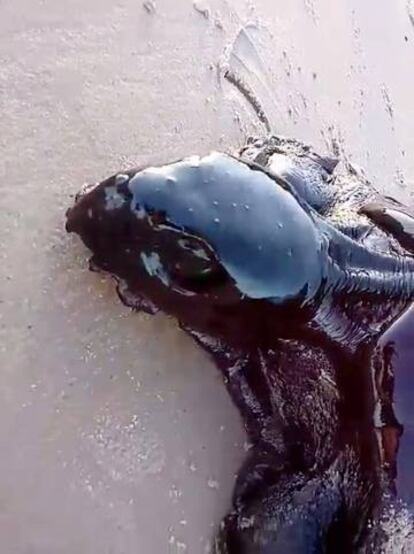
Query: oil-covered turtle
286,267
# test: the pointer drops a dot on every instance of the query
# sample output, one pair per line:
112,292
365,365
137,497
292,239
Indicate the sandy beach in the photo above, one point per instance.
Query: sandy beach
116,432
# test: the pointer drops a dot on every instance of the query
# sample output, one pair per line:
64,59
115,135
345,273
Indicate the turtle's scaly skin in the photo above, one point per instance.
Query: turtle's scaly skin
281,264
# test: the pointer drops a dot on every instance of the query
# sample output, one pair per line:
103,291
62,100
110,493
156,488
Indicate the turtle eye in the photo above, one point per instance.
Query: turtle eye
195,267
201,280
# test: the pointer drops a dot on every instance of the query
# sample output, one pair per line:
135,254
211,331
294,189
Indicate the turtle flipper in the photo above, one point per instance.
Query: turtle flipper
393,218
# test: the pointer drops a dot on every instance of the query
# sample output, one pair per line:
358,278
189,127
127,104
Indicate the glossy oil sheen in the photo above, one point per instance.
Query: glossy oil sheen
221,199
301,318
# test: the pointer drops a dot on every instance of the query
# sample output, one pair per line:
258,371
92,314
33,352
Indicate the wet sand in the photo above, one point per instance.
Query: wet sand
116,432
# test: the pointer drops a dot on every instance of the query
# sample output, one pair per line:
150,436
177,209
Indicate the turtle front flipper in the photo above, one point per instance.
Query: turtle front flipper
393,218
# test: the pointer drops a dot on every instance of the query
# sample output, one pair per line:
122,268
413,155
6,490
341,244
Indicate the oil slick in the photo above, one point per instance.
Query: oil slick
277,265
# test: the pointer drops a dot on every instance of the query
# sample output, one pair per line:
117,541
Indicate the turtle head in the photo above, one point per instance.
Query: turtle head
211,231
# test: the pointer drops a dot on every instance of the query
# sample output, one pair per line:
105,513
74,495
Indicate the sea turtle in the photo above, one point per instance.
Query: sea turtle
286,267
